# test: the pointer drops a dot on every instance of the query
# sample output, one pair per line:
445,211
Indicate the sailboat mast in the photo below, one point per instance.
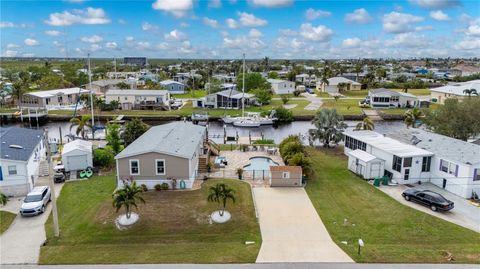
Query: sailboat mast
91,90
243,87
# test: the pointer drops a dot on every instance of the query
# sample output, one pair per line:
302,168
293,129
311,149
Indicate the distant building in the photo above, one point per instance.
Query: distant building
137,61
440,94
384,98
21,152
332,86
139,99
53,99
280,86
173,87
103,85
229,99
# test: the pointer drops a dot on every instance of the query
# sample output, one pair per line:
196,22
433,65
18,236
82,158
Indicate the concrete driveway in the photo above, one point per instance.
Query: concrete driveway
463,214
291,229
20,244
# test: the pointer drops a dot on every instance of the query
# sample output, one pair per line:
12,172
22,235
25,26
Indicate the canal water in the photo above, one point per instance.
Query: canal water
217,129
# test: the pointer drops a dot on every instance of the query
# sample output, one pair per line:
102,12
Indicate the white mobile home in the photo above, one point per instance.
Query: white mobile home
53,99
139,99
282,86
384,98
173,86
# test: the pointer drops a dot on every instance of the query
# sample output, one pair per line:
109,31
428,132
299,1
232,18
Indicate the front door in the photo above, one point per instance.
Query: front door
444,184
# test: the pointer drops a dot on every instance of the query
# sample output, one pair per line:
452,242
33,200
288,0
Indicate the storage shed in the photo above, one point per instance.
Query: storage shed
365,164
285,176
77,155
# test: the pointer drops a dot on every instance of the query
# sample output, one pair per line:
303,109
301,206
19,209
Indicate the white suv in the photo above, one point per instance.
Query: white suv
36,201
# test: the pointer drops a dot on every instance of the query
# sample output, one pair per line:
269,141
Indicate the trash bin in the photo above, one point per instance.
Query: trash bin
376,182
385,180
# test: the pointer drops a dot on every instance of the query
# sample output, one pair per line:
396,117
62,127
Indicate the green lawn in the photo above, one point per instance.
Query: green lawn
364,93
343,106
359,94
6,218
8,109
392,232
173,227
323,94
195,94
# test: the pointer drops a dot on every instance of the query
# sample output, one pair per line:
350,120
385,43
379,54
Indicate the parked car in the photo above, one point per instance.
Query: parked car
429,198
36,201
58,177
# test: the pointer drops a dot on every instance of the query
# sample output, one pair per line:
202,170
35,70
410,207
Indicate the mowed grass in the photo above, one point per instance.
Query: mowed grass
364,93
392,232
194,94
173,227
6,218
343,106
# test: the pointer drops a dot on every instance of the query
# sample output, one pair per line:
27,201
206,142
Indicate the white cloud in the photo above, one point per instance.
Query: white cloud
243,43
312,14
78,16
295,44
111,45
56,43
433,4
468,44
351,42
31,42
10,53
474,28
254,33
396,22
231,23
358,16
423,28
92,39
179,8
210,22
249,20
95,47
12,46
175,35
143,45
288,32
465,18
148,27
7,24
408,40
215,4
272,3
186,48
320,33
53,33
163,46
28,54
439,15
129,38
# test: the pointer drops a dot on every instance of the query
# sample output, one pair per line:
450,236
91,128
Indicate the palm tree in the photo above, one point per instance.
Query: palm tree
128,198
329,127
470,92
358,68
412,116
82,123
365,124
220,194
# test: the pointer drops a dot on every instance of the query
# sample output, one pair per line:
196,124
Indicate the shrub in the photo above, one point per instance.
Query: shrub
264,142
296,93
158,187
3,199
285,99
283,114
144,187
103,157
164,186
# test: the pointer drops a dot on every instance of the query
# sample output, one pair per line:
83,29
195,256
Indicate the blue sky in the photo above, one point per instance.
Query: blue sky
225,29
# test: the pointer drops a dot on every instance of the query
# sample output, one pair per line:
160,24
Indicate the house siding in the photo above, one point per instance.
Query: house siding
276,179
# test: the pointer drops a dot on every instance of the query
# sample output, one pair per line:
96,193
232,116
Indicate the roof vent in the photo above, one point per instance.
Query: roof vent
15,146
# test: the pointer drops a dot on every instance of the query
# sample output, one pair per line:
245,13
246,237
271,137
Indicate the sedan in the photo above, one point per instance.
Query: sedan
428,198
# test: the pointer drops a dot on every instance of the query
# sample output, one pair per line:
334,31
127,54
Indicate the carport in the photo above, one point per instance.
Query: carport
77,155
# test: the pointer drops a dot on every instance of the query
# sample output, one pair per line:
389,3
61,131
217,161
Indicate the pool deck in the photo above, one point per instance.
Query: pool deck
238,159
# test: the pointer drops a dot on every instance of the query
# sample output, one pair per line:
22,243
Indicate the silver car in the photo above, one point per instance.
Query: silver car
36,201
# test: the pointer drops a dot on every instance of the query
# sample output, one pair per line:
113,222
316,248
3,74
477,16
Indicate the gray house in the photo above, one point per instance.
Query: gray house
384,98
173,86
229,99
166,153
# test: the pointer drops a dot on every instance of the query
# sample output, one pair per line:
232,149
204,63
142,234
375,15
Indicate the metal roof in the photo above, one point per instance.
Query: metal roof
363,156
77,144
137,92
336,80
458,88
57,92
176,138
387,144
19,143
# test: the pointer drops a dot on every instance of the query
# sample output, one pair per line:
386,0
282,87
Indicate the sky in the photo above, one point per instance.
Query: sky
279,29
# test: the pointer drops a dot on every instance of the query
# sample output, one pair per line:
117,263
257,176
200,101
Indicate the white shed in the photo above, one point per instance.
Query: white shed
365,164
77,155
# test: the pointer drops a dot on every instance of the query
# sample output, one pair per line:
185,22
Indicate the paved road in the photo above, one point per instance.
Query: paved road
291,229
252,266
20,244
464,214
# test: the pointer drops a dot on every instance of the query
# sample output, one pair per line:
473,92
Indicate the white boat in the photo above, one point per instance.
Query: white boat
229,120
246,123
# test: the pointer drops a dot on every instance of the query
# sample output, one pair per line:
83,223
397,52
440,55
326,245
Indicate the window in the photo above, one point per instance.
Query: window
426,161
394,99
286,175
407,174
160,167
47,101
397,163
354,144
407,162
476,174
134,167
12,169
449,167
60,99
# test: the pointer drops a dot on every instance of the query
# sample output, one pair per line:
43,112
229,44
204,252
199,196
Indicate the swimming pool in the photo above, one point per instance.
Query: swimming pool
260,163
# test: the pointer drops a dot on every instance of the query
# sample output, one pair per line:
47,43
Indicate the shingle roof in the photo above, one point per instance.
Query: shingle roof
175,138
19,143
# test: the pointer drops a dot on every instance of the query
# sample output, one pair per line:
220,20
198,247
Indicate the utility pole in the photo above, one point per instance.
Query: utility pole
91,93
56,229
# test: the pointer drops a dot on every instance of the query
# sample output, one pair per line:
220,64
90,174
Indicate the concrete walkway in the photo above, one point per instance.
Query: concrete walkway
20,244
291,229
372,114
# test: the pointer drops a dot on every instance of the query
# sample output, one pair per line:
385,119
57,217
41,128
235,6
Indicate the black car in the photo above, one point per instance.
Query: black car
58,177
429,198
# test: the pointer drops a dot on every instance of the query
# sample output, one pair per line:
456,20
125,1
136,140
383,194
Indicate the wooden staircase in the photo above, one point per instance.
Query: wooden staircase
202,164
213,147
